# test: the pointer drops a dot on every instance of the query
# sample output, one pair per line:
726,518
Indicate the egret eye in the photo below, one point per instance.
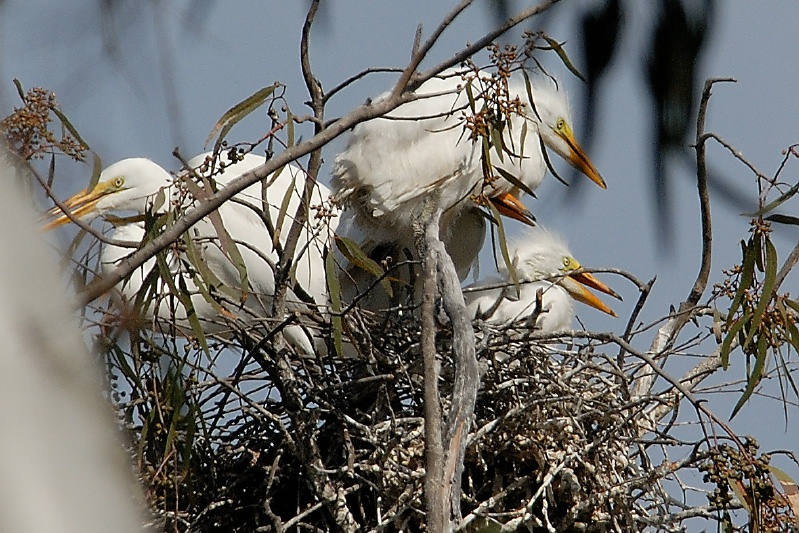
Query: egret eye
560,124
119,182
567,262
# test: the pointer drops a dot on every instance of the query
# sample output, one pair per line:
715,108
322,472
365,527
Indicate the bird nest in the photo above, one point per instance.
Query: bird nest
248,436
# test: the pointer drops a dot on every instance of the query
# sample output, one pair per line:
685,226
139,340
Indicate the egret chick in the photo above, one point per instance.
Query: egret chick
548,286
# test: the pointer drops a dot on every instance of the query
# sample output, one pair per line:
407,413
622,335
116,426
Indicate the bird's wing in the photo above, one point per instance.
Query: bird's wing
396,160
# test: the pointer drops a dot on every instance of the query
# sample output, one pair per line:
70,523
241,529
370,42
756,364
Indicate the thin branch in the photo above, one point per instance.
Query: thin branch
409,82
352,79
790,262
283,271
735,152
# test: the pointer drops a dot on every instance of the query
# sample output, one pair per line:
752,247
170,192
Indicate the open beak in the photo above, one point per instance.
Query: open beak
509,206
579,159
576,284
81,205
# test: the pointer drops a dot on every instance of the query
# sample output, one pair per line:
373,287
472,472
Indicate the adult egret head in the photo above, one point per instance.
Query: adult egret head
247,245
550,280
127,185
426,154
550,109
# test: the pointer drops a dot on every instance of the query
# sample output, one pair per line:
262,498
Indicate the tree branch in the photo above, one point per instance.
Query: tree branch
667,333
435,497
100,286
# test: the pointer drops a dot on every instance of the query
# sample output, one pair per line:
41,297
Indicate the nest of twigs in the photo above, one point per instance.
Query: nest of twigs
248,437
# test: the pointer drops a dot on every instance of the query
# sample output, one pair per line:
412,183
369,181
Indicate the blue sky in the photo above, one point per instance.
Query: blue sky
206,56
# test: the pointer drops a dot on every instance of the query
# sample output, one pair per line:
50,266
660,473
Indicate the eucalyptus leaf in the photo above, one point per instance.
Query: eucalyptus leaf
334,289
558,48
357,257
236,113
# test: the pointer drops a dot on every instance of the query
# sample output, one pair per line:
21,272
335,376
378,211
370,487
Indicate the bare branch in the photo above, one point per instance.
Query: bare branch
436,498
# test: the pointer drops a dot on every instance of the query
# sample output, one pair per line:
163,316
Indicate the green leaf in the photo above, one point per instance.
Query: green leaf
334,289
70,128
789,489
497,142
522,137
284,207
759,256
516,182
503,247
765,294
485,159
740,493
232,252
792,304
357,257
755,377
529,87
745,281
289,128
558,48
97,169
787,195
783,219
203,277
786,372
470,96
549,163
20,89
233,115
731,334
166,274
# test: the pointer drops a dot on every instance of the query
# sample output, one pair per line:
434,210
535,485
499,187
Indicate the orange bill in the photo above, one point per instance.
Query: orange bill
578,158
509,206
80,205
573,283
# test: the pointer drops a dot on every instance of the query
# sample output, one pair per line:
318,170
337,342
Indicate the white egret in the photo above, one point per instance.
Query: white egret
548,286
421,150
135,184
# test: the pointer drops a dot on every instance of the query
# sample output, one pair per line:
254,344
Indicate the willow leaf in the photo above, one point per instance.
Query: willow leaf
470,96
69,127
529,87
549,163
497,142
789,489
165,273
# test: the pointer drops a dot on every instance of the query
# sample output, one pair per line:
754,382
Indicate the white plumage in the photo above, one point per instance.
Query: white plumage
137,184
422,151
545,269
